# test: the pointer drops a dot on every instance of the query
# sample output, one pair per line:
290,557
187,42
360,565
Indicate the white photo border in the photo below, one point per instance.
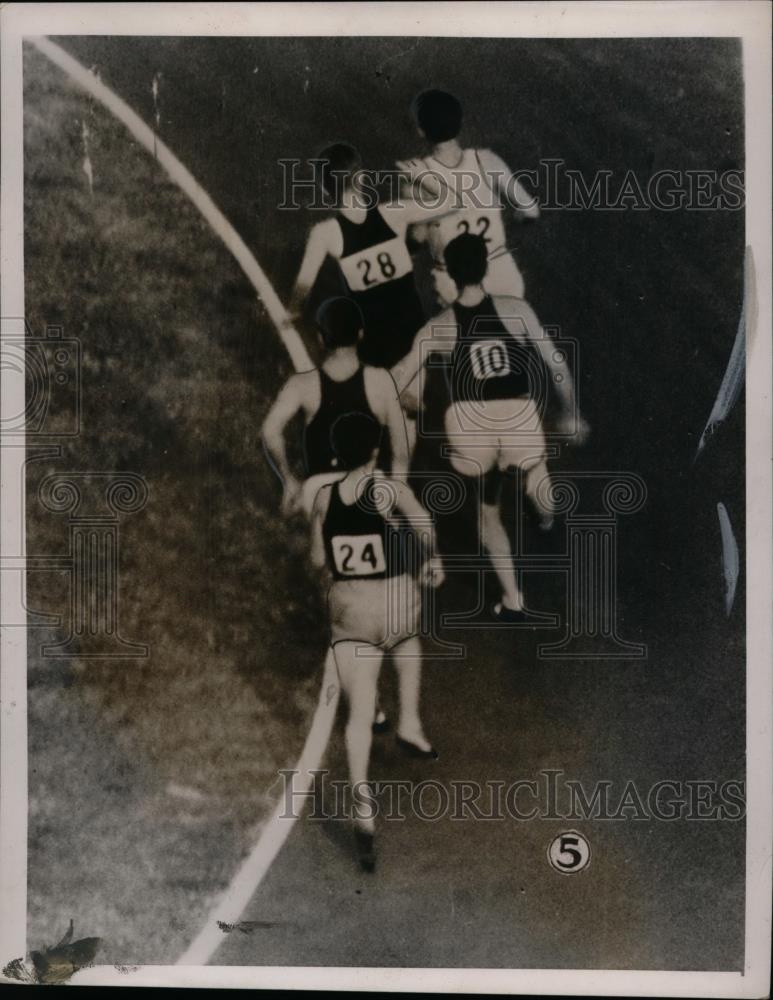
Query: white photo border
751,22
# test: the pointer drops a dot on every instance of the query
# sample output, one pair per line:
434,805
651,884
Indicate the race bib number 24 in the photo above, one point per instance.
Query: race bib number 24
359,555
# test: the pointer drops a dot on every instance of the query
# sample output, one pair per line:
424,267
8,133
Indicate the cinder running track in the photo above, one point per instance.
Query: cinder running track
653,299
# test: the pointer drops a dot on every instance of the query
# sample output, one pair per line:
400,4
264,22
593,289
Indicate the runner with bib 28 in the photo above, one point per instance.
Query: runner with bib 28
367,239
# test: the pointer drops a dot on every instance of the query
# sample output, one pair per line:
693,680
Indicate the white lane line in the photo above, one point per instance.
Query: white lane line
245,882
731,560
187,183
247,879
735,373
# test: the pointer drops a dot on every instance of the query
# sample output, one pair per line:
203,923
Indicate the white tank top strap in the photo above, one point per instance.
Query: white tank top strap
481,171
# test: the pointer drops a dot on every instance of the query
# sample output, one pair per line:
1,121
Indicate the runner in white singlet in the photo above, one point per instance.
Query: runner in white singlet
478,183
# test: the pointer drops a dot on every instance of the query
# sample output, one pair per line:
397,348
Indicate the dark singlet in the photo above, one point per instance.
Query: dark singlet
336,399
360,543
378,271
488,362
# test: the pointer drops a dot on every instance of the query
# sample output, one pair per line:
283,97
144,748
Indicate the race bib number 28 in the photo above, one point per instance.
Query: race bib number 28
376,265
359,555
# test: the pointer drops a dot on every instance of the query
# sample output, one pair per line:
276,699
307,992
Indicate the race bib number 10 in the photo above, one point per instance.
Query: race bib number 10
359,555
489,359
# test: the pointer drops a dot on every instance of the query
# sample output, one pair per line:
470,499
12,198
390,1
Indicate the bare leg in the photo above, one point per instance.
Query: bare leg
497,544
407,660
359,681
543,503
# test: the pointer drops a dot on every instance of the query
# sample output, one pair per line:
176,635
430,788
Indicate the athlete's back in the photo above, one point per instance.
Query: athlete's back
378,271
368,240
465,184
491,359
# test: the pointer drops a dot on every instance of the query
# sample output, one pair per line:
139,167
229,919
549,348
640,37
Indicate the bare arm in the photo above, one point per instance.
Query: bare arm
389,411
407,176
321,242
439,336
409,186
422,523
318,511
509,186
285,406
408,211
561,377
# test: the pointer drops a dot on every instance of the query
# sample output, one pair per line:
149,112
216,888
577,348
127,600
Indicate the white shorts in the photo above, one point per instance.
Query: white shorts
502,278
313,485
498,432
382,613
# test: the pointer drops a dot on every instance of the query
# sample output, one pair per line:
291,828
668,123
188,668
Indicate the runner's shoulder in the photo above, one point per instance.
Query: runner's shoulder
378,379
384,491
326,232
304,384
511,307
439,324
488,159
421,177
321,500
302,380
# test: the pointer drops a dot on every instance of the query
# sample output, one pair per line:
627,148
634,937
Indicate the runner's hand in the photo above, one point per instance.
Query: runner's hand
582,432
576,429
432,572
